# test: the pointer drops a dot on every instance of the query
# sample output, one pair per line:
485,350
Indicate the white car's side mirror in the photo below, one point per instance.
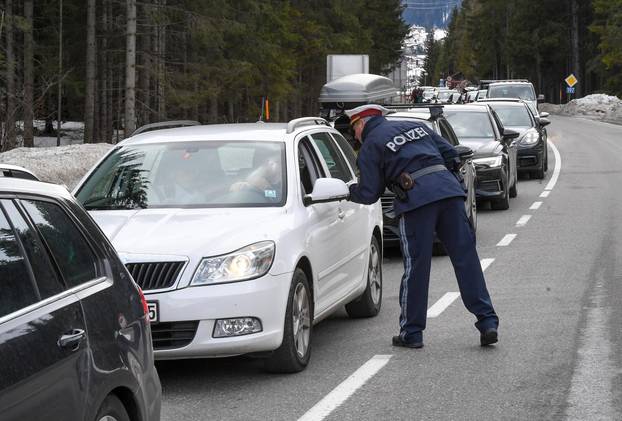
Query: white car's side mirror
544,114
327,190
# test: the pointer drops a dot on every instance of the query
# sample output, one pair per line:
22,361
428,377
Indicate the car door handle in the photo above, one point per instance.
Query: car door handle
341,214
72,339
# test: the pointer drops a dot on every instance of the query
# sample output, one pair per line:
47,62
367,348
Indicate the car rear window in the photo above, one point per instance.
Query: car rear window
70,249
17,289
512,91
513,116
469,124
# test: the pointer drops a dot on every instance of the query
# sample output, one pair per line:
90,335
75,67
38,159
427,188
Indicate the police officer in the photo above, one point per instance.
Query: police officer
420,167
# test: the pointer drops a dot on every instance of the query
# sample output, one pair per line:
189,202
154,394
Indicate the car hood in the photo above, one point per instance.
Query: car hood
482,147
188,232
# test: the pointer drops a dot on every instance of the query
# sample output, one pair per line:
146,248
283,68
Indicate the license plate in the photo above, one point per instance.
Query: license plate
153,314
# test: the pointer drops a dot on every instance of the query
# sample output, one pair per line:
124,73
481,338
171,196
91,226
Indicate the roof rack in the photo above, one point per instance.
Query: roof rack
485,82
164,125
305,121
436,110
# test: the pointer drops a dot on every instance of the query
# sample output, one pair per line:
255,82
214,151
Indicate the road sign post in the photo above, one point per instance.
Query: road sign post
571,81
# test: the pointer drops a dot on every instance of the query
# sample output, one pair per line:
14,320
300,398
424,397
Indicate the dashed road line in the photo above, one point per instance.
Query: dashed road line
545,193
523,220
535,206
485,263
444,302
345,389
505,241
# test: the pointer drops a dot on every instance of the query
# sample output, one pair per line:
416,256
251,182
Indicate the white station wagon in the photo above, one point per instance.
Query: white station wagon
240,235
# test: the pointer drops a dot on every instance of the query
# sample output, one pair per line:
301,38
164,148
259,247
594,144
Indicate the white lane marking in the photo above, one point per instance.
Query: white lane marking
345,389
444,302
523,220
535,206
505,241
485,263
558,168
545,193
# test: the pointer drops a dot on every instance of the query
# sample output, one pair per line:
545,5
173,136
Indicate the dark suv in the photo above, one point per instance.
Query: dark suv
74,337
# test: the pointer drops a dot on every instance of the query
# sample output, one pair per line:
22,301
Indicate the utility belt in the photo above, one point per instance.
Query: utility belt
406,181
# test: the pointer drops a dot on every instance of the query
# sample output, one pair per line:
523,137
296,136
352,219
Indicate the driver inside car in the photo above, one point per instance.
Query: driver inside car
265,179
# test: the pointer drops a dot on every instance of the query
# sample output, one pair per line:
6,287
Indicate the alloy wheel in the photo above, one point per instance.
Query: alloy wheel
301,320
373,273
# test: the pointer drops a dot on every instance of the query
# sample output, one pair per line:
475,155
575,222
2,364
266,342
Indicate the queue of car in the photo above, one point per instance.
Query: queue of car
211,241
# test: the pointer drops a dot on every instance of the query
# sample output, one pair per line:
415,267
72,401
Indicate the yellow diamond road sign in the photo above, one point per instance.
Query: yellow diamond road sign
571,80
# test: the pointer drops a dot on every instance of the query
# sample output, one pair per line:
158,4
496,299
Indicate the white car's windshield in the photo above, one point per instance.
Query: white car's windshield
188,174
512,91
470,124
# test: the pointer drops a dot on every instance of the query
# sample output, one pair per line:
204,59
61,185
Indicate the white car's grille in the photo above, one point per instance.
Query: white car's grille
155,275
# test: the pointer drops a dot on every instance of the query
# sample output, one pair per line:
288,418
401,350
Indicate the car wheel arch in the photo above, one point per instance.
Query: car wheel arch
378,234
128,399
305,265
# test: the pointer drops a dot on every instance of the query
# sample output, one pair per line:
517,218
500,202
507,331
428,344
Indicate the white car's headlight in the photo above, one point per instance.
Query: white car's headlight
530,137
493,161
246,263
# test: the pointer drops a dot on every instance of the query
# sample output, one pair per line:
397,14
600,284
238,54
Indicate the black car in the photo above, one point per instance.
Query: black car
74,337
495,147
433,117
515,114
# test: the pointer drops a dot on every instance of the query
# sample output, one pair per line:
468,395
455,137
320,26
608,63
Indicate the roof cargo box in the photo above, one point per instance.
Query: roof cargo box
358,88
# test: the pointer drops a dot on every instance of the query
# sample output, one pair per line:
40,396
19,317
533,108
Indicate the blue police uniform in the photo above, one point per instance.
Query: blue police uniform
434,204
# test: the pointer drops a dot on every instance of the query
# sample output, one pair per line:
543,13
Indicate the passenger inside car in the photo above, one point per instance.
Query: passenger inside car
265,179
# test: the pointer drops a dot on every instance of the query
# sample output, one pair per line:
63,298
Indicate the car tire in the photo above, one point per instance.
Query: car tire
473,219
369,303
295,351
514,188
546,159
539,173
501,204
112,409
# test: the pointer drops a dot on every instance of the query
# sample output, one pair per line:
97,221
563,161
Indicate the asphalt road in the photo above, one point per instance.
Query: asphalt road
557,290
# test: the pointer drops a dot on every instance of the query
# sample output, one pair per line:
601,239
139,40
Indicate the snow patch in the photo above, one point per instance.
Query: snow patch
595,106
439,34
60,165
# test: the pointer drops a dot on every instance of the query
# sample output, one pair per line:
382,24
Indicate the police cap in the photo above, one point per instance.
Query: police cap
366,110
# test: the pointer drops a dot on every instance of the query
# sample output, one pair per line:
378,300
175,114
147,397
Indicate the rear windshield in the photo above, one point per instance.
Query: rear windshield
188,174
468,124
512,91
513,116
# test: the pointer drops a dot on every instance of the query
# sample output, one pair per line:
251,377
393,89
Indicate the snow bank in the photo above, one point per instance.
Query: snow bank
595,106
61,165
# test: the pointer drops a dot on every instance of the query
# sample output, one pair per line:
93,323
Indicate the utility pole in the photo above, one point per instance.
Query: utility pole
60,72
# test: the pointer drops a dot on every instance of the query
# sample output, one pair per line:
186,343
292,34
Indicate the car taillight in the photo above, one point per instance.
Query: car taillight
143,300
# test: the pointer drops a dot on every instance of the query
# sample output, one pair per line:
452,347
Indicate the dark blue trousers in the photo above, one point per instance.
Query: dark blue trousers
449,220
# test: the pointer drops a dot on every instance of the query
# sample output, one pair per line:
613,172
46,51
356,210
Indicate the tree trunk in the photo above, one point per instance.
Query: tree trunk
28,76
144,75
130,69
102,114
576,66
160,54
9,141
109,126
91,47
213,109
